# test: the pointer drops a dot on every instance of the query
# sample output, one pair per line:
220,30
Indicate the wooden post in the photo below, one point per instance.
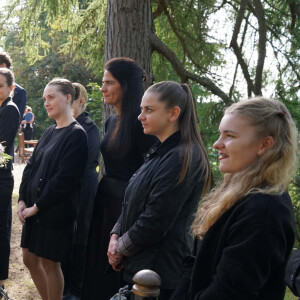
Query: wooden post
146,285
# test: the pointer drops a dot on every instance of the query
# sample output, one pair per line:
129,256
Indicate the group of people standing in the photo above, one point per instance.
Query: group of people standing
84,240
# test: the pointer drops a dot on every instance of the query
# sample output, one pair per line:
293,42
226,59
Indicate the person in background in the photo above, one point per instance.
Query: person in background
19,96
9,124
162,196
27,123
122,148
49,187
74,273
246,224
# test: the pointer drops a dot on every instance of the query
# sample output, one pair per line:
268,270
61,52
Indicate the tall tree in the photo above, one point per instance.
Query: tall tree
190,36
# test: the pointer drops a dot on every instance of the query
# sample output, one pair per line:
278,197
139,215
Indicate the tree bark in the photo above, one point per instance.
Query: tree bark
130,33
185,75
262,41
237,50
128,26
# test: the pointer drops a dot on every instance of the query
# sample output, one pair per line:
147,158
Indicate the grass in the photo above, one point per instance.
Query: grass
289,295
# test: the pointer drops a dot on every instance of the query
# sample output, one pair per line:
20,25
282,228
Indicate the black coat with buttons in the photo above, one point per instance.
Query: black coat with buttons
158,212
243,256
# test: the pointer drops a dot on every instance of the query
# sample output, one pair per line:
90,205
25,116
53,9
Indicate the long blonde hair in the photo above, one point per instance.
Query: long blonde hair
270,173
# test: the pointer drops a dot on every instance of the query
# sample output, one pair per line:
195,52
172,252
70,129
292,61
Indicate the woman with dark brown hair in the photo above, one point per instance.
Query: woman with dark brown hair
9,123
122,148
162,196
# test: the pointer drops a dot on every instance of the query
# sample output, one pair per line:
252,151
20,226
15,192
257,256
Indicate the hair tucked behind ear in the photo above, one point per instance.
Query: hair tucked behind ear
175,94
269,173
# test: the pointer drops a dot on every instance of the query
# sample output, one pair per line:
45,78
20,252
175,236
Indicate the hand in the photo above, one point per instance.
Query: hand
29,212
115,259
21,207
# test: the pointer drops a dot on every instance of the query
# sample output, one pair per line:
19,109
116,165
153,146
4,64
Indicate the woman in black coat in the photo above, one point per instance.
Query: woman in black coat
162,196
49,186
74,269
122,149
9,123
246,225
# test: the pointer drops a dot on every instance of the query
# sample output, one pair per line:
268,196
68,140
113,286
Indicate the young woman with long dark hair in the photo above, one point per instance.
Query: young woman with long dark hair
49,186
162,196
122,149
9,123
246,224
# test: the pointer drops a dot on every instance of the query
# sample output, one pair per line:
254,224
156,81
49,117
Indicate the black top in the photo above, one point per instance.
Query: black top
48,149
158,211
244,254
89,181
56,167
123,168
93,141
9,124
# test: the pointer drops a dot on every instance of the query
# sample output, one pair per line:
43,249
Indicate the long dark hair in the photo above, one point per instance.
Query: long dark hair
131,76
175,94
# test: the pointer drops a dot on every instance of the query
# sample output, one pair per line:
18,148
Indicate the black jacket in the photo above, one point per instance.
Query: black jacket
60,176
9,124
244,254
20,99
157,212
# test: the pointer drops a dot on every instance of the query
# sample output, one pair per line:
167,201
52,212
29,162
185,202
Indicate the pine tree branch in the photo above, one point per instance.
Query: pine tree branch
185,75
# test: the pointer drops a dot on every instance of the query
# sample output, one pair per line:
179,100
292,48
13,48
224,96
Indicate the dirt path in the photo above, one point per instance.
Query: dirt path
19,285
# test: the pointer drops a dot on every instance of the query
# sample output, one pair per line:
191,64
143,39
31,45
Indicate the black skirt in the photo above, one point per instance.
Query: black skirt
46,242
101,282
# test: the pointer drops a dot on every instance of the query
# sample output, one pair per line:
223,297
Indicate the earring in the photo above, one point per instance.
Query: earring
260,152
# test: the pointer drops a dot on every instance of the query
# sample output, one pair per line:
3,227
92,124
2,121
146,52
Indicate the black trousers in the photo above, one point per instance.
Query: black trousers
6,189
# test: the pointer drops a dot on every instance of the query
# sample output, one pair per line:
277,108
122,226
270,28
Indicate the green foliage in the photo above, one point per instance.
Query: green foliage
95,105
34,77
210,115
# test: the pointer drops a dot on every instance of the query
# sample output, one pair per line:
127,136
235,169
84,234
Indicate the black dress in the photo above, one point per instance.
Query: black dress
51,181
101,282
74,269
9,123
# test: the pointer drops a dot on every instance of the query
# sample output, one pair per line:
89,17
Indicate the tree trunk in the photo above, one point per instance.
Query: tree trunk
129,24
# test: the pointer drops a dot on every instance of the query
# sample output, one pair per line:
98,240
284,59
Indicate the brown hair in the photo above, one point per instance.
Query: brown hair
9,75
175,94
5,59
65,86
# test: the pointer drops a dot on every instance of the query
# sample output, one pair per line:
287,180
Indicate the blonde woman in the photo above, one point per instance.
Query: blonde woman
246,224
74,269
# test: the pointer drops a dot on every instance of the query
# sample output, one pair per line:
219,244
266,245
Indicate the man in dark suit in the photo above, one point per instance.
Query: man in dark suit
19,93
